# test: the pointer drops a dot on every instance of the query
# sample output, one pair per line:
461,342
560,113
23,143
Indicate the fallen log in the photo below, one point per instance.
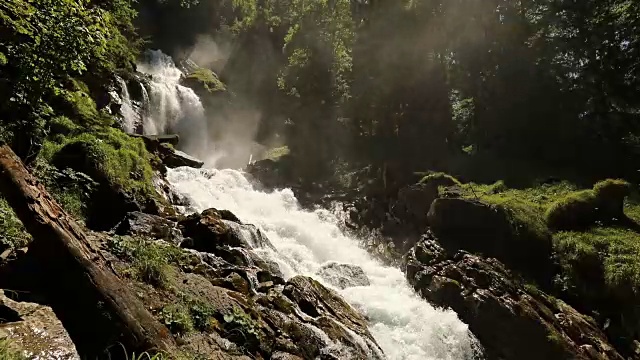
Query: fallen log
60,243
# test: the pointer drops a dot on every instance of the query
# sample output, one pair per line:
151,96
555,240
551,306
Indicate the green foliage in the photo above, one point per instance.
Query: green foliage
238,320
45,43
177,318
12,232
150,261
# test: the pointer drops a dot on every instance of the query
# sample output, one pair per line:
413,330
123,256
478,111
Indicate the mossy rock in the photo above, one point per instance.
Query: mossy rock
440,179
584,208
204,79
119,164
510,231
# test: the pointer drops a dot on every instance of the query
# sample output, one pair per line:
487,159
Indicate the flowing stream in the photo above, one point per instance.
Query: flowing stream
405,326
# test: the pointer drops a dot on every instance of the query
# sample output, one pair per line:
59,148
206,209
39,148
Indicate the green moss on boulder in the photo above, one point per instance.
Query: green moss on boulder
204,79
118,163
584,208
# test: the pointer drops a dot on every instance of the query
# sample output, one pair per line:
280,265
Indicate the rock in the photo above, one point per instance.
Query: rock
279,355
316,301
35,330
413,204
511,321
173,158
108,203
209,230
153,142
153,226
478,227
343,276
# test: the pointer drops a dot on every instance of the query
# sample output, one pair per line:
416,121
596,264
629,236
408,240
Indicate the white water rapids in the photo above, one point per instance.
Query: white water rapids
405,326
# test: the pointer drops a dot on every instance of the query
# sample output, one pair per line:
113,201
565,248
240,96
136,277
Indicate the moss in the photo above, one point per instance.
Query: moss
583,208
62,125
12,232
123,160
441,178
601,263
206,78
276,153
69,188
525,208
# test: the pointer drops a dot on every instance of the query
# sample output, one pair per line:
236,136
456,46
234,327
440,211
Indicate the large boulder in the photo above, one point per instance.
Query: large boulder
173,158
215,228
151,226
413,204
333,315
343,276
510,319
34,330
122,172
495,231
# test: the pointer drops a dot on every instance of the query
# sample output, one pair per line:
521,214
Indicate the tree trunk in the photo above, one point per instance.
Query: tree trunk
60,243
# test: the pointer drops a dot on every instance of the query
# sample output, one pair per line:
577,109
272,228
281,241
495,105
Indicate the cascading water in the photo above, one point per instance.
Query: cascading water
131,117
405,326
167,107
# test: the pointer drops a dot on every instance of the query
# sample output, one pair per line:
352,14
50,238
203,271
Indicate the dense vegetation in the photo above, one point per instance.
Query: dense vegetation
431,84
485,90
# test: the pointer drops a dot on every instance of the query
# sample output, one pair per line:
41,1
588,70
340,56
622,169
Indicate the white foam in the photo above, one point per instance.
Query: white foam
405,326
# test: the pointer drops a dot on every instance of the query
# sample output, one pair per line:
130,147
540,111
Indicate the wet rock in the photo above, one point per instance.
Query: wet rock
152,226
343,276
478,227
316,300
512,321
35,330
210,230
173,158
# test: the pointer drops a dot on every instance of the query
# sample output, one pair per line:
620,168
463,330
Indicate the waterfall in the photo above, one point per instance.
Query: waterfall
166,106
131,117
405,326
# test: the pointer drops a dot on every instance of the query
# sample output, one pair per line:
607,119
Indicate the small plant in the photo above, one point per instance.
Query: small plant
177,318
239,320
149,260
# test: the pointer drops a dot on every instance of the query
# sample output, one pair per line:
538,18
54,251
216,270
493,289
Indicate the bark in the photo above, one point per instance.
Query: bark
65,241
